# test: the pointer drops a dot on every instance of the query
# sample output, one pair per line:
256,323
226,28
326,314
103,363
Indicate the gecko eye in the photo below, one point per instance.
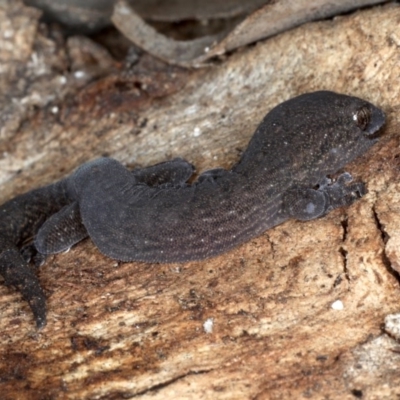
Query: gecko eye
363,117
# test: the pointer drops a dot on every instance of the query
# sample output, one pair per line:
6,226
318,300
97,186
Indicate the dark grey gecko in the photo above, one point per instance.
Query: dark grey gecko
293,150
282,174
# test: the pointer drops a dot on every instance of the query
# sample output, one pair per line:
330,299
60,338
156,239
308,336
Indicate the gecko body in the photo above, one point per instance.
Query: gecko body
154,215
297,145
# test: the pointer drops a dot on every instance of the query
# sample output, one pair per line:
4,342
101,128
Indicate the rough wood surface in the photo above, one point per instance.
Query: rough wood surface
263,321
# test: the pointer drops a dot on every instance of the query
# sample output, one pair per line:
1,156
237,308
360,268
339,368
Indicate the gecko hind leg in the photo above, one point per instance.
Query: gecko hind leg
169,173
61,231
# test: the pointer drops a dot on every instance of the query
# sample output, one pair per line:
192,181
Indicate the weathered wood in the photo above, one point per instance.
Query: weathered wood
118,330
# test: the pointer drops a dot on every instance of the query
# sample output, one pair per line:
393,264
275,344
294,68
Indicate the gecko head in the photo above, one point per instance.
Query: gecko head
355,129
351,117
330,129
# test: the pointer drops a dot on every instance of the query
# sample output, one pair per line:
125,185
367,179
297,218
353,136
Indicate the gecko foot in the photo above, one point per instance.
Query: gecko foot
341,193
305,204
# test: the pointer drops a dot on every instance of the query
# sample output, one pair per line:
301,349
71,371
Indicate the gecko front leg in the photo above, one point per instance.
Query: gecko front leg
305,204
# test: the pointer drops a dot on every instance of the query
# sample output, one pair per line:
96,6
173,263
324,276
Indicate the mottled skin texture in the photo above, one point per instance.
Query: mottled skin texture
153,215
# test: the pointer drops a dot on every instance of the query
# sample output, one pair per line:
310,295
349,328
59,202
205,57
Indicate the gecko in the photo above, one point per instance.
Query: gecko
155,215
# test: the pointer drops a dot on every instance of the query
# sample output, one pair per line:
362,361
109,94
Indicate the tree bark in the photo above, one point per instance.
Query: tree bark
295,313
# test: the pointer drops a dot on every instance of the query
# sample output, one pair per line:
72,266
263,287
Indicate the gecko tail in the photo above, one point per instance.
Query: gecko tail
16,272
